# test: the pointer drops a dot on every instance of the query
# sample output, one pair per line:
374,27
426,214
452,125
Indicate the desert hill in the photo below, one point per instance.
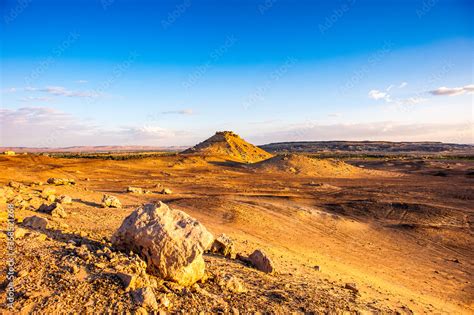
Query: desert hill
229,145
303,165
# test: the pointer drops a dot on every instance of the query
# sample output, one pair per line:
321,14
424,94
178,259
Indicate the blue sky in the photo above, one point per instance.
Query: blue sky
105,72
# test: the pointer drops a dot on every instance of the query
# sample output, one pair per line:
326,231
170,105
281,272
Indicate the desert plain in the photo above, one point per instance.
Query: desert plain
355,235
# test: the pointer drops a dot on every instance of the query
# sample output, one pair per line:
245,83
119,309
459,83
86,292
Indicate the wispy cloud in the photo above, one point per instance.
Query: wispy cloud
81,81
35,99
186,111
56,91
48,127
398,102
61,91
445,91
378,95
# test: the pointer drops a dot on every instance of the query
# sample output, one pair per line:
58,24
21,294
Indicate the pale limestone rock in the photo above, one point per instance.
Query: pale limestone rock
169,240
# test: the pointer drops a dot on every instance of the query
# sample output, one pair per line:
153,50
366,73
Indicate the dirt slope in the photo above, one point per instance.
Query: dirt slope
230,145
303,165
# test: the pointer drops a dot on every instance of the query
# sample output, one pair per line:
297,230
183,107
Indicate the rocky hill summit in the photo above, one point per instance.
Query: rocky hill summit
229,145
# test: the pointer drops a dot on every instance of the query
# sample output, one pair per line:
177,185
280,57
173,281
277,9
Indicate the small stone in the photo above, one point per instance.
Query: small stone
128,280
109,201
54,209
35,222
65,200
145,297
164,301
223,245
22,273
15,185
61,181
20,233
166,191
234,284
42,237
317,268
352,287
261,261
135,190
100,265
47,191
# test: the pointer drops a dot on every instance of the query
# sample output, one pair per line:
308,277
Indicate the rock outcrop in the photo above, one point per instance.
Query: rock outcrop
171,242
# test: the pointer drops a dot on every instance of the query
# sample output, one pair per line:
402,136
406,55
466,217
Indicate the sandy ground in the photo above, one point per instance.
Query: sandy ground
405,241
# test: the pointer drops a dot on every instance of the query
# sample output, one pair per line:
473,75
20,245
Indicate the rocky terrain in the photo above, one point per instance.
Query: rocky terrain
205,233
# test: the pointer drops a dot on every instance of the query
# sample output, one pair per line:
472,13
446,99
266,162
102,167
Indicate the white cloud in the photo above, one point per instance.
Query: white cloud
48,127
378,95
60,91
445,91
402,85
81,81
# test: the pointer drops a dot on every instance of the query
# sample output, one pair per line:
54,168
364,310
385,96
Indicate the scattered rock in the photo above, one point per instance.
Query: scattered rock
128,280
20,232
145,297
16,185
232,284
169,240
109,201
65,200
166,191
54,209
51,198
41,237
223,245
47,191
352,287
61,181
22,273
83,252
36,222
261,261
135,190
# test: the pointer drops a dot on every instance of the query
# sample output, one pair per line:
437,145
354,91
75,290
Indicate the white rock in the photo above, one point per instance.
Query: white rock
169,240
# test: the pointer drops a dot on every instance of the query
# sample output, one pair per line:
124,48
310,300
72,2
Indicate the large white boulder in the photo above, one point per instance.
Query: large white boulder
171,242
